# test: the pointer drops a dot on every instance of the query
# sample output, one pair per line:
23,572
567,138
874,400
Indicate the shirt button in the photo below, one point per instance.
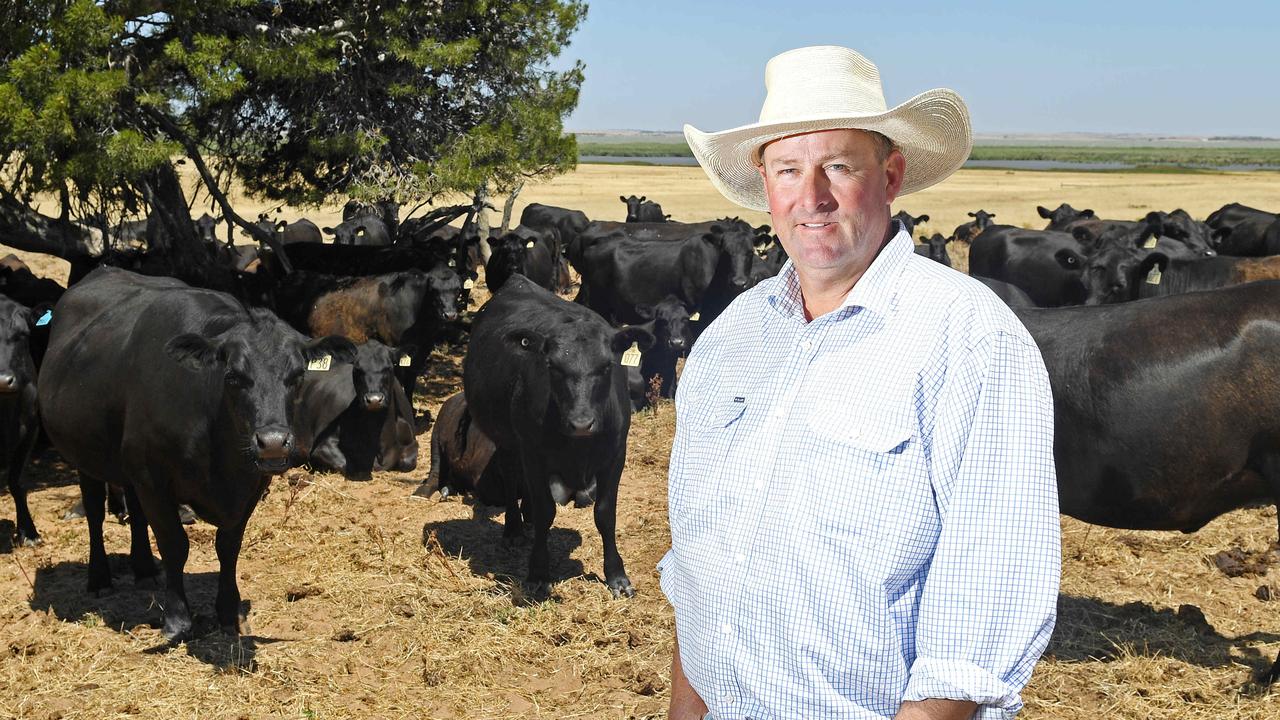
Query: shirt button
806,345
727,629
740,557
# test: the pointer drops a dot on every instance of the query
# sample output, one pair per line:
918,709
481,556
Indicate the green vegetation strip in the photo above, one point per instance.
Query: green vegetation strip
1213,156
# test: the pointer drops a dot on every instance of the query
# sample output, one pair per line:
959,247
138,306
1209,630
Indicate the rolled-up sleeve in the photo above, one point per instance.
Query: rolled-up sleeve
990,598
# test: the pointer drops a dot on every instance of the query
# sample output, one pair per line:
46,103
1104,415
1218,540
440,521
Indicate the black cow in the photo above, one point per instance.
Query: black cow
388,211
640,209
206,423
1046,265
1178,225
972,229
1155,273
1121,435
1120,268
935,248
569,223
533,257
543,380
364,230
1063,216
206,227
19,422
909,222
705,271
669,323
20,284
358,418
1241,230
400,309
461,457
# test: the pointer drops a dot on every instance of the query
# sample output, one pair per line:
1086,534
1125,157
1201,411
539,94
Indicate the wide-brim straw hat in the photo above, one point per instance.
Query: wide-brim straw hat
827,88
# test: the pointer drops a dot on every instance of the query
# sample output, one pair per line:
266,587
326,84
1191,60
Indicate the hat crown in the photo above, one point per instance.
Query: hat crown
819,81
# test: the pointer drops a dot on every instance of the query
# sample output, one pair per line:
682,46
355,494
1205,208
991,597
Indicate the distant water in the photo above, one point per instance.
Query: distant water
1009,164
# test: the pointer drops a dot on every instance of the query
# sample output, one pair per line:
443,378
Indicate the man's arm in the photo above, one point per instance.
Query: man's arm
685,703
936,710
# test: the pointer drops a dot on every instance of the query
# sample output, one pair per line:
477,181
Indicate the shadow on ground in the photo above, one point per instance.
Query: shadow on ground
1090,629
60,589
478,540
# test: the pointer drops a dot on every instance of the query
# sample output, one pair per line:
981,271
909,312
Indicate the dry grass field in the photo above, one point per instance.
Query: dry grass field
364,603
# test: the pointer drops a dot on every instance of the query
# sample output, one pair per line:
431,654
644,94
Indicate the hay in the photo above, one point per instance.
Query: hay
365,603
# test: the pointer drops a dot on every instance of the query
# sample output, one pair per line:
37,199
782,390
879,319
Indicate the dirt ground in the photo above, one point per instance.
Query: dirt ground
363,602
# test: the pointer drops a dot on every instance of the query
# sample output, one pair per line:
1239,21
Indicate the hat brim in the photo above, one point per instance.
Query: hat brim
931,129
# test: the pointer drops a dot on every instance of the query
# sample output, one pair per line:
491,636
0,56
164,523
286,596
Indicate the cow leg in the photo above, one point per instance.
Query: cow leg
171,538
513,525
93,493
27,534
227,605
140,558
541,509
606,514
116,505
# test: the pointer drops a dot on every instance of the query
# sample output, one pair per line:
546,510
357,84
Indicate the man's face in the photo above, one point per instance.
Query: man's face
829,197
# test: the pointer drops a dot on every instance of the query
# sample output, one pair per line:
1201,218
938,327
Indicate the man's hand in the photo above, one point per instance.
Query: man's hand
685,702
936,710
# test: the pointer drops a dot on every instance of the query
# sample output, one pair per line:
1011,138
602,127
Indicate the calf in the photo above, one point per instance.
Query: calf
910,222
669,323
364,230
1121,435
532,257
1046,265
19,422
1241,230
543,380
935,248
358,418
1063,216
207,423
972,229
461,457
569,223
640,209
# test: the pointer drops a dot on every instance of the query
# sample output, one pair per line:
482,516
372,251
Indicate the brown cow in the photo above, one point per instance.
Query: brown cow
460,457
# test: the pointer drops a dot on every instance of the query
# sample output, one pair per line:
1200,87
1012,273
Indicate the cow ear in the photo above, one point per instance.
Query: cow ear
643,198
922,219
526,340
972,215
715,239
326,230
623,338
1155,258
1045,212
717,229
1086,213
339,348
622,198
192,351
282,225
644,310
764,230
405,349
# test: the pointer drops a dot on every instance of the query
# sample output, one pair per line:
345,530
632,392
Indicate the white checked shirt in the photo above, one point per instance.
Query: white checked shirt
863,507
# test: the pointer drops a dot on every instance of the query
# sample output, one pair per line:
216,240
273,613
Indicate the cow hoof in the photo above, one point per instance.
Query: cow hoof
30,540
121,517
177,631
186,515
621,587
537,590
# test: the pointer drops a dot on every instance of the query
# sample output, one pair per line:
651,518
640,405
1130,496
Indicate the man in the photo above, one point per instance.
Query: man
862,499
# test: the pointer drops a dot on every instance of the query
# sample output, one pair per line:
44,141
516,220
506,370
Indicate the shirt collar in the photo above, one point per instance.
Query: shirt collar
876,291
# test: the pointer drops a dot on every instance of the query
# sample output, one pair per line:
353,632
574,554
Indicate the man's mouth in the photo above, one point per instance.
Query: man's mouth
816,225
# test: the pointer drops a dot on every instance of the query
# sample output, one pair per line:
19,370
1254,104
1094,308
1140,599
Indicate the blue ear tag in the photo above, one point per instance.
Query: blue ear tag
45,318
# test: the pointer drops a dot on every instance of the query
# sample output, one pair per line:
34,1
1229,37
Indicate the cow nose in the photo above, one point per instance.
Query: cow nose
273,444
739,282
374,401
582,426
677,342
8,382
450,315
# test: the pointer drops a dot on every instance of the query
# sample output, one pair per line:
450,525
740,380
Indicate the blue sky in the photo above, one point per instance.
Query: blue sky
1177,68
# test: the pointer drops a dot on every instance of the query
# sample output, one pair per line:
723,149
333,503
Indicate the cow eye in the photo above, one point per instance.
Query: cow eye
238,380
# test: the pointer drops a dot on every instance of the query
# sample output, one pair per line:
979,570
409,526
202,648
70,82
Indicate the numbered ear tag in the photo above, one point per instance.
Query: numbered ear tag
405,361
320,364
468,284
1153,277
45,318
631,358
453,263
695,317
529,244
1151,242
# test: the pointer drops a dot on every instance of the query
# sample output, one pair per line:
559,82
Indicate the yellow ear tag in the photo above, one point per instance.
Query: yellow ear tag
1153,277
468,284
631,358
453,263
529,244
320,364
405,361
695,317
1151,242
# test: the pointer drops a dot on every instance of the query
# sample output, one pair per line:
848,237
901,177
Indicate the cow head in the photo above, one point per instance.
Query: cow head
582,358
1197,237
938,249
736,243
633,204
982,219
259,363
373,373
670,318
16,366
909,222
206,227
444,288
1114,272
1062,216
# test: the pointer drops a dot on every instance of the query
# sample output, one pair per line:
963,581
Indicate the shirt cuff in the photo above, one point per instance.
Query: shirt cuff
667,575
962,680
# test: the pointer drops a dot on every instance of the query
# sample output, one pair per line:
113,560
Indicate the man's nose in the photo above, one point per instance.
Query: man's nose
817,192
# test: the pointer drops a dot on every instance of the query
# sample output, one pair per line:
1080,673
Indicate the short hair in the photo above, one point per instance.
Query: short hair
884,146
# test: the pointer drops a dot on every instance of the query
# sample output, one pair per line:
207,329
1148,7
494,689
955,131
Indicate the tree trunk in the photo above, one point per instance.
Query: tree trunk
169,229
506,208
25,229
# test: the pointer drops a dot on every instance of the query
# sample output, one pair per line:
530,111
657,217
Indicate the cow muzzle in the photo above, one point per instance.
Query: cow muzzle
374,401
581,426
9,383
273,447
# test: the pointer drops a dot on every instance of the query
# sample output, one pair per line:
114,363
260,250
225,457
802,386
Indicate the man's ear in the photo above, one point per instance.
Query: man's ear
895,169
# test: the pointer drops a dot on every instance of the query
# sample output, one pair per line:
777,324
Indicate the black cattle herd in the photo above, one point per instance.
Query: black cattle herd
270,364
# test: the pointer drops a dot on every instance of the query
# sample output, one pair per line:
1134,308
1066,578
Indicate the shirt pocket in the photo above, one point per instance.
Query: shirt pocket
712,430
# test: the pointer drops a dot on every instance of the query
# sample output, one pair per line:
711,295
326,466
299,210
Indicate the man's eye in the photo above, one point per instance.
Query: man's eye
838,167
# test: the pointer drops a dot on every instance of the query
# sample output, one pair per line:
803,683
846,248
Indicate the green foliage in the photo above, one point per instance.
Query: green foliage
298,100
